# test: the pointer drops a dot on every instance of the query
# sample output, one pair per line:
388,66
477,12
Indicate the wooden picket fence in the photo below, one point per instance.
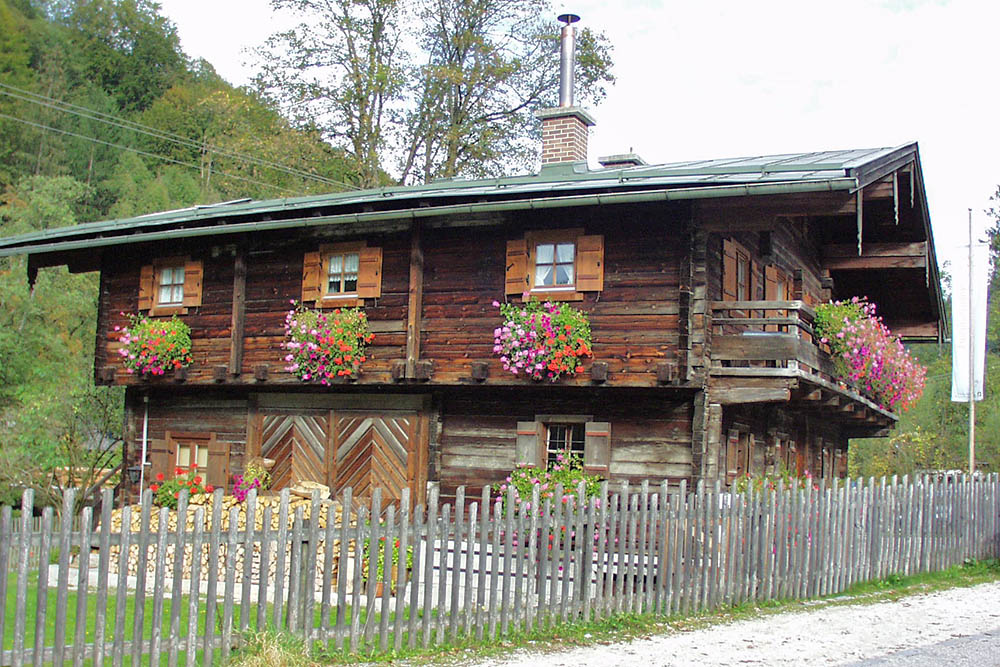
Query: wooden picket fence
476,568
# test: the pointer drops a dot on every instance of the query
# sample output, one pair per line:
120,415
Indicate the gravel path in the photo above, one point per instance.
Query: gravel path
862,634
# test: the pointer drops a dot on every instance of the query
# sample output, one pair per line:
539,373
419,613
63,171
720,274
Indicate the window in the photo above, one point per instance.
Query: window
557,265
342,274
170,286
739,273
184,449
565,439
539,442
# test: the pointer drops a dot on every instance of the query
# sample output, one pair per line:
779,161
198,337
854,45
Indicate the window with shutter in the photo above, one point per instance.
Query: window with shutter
203,451
555,265
542,442
170,286
342,274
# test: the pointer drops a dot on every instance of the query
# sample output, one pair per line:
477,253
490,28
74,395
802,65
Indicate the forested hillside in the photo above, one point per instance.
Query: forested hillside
103,116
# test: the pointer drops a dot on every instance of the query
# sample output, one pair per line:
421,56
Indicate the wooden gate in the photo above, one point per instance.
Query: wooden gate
298,443
363,450
379,450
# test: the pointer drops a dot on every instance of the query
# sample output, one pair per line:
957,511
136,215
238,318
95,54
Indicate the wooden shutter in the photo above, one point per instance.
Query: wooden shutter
516,271
147,287
218,463
193,275
732,455
771,294
311,264
162,457
597,448
729,270
590,263
369,273
530,450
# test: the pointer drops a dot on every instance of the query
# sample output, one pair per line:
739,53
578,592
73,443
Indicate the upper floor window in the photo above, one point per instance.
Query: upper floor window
540,442
558,265
170,286
342,274
739,273
564,439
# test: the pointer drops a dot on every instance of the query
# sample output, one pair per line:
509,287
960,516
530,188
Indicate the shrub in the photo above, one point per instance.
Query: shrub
866,353
785,476
154,346
167,491
322,347
543,341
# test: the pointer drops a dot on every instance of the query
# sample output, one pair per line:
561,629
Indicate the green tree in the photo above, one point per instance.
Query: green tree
340,70
489,65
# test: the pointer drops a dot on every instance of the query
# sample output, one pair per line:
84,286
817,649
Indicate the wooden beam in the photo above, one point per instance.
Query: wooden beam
860,216
733,395
414,304
239,312
920,330
876,256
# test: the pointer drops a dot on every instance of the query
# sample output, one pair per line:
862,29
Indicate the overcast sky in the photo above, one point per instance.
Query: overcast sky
729,78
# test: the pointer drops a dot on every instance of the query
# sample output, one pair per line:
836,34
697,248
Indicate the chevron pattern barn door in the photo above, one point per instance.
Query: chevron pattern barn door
298,445
377,450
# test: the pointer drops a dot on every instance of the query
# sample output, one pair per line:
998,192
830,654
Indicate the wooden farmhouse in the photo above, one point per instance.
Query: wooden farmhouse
699,280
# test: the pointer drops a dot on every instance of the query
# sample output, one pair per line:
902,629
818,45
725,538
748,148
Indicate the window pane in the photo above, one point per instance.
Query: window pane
564,274
543,253
543,275
183,455
203,458
171,285
564,252
336,262
165,294
351,262
177,296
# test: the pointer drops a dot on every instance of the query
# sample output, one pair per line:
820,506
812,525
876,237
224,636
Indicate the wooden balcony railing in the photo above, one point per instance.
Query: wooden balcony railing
757,335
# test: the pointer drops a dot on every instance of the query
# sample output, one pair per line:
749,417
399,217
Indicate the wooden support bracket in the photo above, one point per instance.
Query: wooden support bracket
398,371
219,373
480,370
106,375
423,370
260,372
180,374
599,371
667,372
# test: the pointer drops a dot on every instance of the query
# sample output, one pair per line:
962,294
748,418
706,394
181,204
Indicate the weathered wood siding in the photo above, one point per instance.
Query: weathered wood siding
634,319
650,436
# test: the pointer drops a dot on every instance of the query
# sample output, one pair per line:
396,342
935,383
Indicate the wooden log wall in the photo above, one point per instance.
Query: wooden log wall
650,435
634,319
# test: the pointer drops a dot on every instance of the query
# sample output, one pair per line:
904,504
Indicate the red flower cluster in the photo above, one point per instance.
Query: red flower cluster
166,492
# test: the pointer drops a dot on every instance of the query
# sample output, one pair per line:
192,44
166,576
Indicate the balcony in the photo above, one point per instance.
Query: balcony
767,351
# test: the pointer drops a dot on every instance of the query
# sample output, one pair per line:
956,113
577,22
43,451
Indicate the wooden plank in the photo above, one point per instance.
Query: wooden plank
642,548
387,547
456,567
103,567
430,547
211,588
612,564
328,563
468,611
310,567
239,311
419,549
177,577
484,509
740,395
279,567
265,565
508,548
121,595
342,565
361,533
194,590
414,304
42,591
230,591
248,541
596,604
62,578
139,598
371,582
159,584
6,547
442,593
494,593
401,586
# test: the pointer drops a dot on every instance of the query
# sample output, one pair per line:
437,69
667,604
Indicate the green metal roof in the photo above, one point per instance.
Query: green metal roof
555,186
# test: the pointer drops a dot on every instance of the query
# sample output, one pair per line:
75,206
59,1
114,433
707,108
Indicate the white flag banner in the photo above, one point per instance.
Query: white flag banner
961,322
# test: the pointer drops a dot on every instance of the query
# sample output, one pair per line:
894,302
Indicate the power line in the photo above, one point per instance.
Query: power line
143,153
164,135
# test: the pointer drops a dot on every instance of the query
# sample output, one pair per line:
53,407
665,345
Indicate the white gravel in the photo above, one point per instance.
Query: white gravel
824,635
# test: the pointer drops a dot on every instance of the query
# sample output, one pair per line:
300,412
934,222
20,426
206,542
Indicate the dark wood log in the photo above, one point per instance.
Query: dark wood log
260,372
414,306
239,312
423,370
667,372
219,373
599,371
480,370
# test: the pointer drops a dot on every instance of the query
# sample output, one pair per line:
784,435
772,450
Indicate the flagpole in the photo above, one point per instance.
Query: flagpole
972,366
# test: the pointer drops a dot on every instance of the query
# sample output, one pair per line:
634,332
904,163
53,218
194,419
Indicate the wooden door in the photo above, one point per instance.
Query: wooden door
384,450
299,444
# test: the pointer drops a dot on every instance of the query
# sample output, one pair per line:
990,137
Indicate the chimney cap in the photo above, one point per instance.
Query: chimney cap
567,18
621,160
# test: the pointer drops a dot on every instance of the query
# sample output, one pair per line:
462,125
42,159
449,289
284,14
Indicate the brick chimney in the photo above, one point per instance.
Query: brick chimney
565,127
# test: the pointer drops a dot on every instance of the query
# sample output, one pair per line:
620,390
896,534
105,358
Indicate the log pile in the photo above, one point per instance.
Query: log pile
327,511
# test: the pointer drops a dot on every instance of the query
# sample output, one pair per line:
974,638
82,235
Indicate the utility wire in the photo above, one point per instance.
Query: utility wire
164,135
144,153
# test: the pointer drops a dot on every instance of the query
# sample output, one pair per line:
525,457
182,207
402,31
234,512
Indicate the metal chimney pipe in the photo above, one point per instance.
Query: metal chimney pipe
567,58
